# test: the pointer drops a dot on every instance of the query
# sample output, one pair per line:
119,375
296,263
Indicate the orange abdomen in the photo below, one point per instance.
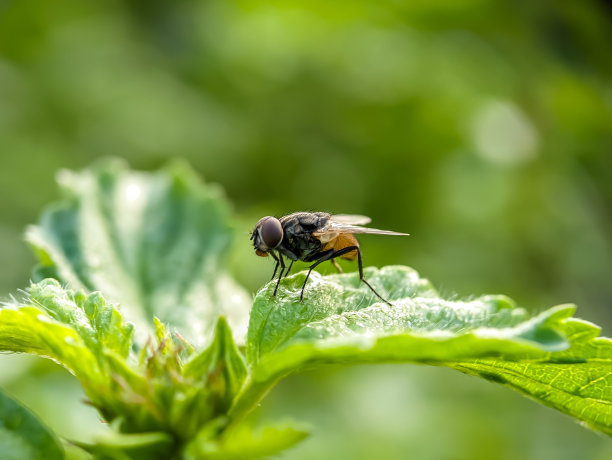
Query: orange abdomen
342,241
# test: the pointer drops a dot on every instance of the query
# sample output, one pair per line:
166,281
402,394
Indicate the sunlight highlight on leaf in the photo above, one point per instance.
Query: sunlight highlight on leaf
153,242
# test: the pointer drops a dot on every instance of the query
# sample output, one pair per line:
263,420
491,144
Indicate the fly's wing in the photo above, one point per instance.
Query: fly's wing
351,219
335,227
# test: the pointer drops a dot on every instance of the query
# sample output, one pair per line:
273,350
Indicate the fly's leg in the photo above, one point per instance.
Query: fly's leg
337,265
280,275
279,262
366,283
288,268
360,264
326,255
275,266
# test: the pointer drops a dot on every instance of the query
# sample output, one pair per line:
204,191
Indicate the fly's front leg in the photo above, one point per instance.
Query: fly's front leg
275,266
282,265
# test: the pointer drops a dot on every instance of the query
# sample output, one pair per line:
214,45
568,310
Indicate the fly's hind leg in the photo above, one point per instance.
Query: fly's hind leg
360,265
337,265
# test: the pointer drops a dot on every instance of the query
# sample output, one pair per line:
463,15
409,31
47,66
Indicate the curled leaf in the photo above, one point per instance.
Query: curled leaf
152,242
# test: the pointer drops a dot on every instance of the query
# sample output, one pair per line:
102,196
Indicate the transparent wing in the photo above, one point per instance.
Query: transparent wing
335,227
351,219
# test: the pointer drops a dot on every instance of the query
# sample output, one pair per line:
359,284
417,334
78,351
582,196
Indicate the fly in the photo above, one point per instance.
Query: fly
312,237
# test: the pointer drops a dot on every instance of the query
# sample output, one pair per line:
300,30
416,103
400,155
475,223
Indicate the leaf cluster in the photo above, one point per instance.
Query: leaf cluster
134,302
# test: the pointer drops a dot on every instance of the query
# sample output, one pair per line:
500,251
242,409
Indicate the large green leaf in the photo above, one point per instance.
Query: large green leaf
577,381
23,436
551,357
153,242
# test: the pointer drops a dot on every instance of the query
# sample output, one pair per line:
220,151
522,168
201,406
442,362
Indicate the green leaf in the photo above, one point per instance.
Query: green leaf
85,335
98,323
242,443
551,357
171,388
153,242
52,322
23,436
577,381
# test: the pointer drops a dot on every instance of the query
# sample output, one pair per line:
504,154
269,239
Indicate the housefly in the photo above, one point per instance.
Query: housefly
312,237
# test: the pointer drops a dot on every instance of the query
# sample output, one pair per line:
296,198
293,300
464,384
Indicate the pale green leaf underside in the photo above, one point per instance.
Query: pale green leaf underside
152,242
577,381
23,436
552,357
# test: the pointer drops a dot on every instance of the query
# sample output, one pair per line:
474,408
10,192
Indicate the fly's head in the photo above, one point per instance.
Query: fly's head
267,235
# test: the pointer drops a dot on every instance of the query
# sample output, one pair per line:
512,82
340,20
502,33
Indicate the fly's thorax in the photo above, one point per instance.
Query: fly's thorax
307,221
298,231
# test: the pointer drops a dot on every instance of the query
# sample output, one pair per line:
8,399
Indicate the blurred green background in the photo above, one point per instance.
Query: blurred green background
481,127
